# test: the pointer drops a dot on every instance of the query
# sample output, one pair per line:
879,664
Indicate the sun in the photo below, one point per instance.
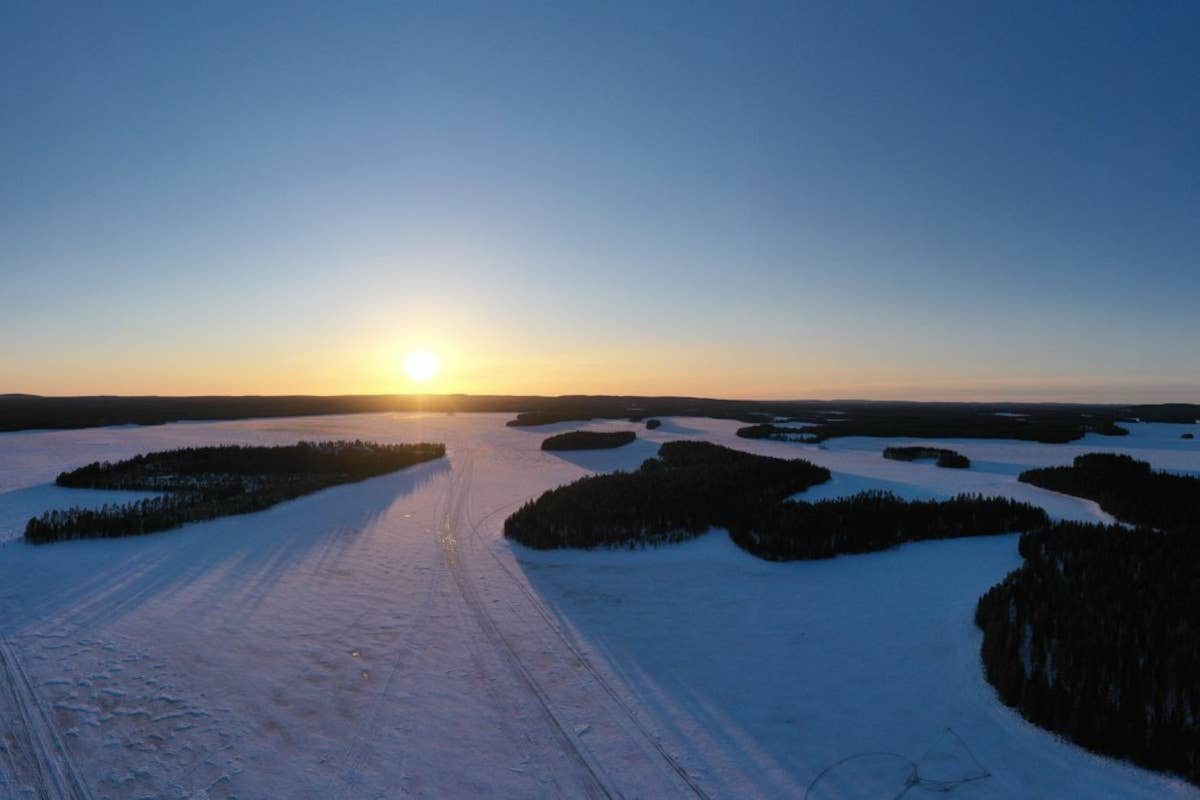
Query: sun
421,365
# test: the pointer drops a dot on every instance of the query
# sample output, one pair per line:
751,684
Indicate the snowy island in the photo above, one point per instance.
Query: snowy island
694,486
942,456
588,440
201,483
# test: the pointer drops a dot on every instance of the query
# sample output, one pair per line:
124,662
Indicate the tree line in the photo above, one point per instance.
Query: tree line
1030,421
944,458
588,440
870,521
778,433
690,487
1126,488
1097,637
201,483
693,486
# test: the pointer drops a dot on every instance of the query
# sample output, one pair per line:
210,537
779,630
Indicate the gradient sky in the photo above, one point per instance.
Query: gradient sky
890,200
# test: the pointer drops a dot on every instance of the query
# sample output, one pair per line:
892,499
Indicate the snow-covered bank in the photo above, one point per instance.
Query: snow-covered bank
381,639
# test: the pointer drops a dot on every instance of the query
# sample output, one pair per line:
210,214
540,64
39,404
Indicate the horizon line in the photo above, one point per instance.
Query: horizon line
598,396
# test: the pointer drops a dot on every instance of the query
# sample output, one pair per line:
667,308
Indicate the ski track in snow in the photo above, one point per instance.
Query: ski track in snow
56,776
383,640
451,529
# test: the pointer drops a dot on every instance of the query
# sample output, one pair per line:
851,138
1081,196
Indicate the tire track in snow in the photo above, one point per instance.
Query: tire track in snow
58,777
452,524
582,660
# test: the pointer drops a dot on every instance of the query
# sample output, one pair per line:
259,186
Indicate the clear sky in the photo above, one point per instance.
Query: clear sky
892,200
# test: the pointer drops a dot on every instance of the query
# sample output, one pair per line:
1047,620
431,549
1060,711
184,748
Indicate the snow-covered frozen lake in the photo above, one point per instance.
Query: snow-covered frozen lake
382,640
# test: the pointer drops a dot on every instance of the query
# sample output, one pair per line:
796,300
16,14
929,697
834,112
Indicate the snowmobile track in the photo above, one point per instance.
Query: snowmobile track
587,665
57,775
451,528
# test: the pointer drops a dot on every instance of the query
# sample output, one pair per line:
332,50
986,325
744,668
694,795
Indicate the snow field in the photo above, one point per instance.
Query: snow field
382,639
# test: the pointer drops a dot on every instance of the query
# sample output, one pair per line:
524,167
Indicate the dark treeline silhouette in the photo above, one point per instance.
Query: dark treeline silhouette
871,521
531,419
690,487
1050,425
1180,413
1040,422
1128,489
944,458
1097,637
693,486
588,440
28,412
1037,421
203,483
714,409
778,433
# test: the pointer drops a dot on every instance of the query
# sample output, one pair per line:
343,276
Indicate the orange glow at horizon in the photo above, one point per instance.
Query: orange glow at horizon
503,362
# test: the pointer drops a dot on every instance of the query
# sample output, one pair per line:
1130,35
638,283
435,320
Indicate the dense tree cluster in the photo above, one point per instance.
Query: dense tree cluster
871,521
1097,637
693,486
529,419
944,457
690,487
1126,488
779,433
203,483
588,440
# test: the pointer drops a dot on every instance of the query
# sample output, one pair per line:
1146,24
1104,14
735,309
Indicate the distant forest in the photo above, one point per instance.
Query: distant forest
1128,489
778,433
1027,421
693,486
1049,426
201,483
1097,635
588,440
944,458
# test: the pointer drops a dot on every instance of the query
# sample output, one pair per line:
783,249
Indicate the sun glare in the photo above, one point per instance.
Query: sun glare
421,365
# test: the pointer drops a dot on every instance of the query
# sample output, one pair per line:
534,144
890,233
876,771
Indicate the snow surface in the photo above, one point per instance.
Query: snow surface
381,639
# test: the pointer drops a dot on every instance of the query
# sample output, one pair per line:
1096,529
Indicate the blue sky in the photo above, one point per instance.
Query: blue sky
926,200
